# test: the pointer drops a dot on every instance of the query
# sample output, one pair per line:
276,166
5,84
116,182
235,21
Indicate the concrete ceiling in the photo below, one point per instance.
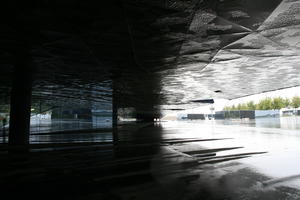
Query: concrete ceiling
154,54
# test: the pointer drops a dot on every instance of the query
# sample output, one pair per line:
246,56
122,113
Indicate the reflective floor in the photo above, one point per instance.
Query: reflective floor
170,160
282,159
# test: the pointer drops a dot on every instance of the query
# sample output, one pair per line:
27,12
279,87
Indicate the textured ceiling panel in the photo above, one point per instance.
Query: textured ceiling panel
248,62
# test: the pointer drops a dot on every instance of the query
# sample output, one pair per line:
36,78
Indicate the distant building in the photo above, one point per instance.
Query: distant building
246,114
196,116
236,114
220,115
289,111
267,113
72,113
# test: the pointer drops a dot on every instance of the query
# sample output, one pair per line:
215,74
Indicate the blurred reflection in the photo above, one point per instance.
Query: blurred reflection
278,136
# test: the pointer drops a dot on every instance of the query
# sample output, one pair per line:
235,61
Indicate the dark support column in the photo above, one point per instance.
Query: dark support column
20,103
145,117
115,116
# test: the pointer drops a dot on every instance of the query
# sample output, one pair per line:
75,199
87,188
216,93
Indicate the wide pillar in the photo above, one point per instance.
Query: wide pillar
20,103
145,116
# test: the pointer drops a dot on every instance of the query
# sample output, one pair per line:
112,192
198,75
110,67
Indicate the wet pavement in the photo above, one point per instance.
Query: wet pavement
170,160
271,175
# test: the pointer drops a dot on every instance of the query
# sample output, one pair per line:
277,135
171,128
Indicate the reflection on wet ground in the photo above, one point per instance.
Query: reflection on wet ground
69,137
53,131
288,122
171,160
52,125
279,166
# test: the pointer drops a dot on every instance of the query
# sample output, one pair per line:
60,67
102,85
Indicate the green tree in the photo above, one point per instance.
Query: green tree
287,102
227,108
265,104
278,103
244,107
296,102
251,105
233,107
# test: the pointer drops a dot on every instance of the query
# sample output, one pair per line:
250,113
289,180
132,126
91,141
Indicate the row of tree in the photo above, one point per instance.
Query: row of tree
267,104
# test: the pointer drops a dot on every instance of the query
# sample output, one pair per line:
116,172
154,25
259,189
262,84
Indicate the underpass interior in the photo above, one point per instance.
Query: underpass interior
84,87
